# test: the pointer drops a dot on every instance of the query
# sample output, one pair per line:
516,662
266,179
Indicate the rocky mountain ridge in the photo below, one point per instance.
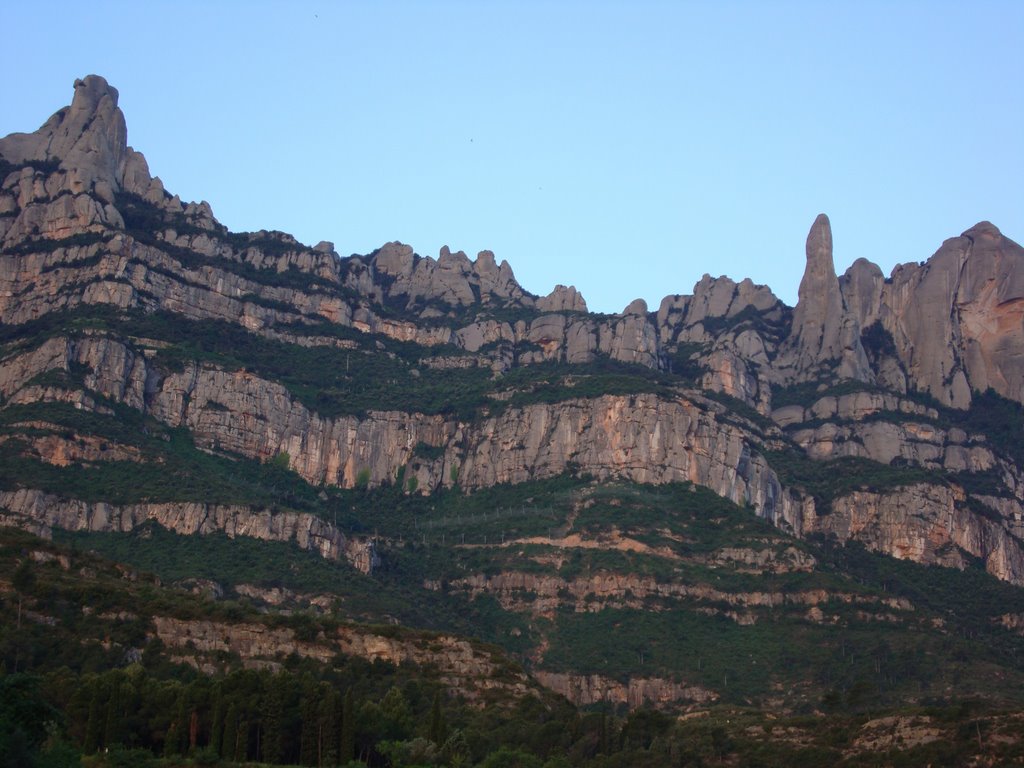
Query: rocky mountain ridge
141,339
953,321
84,223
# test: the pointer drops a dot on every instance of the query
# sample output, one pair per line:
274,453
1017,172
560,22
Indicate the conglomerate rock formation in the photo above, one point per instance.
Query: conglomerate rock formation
880,369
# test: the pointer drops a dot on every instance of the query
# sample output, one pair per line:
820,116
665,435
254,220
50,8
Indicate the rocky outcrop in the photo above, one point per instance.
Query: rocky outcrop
856,406
452,279
928,524
466,669
281,597
88,141
882,427
919,444
89,137
956,321
562,299
543,595
731,333
765,560
714,300
635,692
990,304
40,512
897,732
64,450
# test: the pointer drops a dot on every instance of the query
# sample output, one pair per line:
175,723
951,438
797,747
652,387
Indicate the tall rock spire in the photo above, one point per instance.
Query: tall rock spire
89,138
92,138
825,335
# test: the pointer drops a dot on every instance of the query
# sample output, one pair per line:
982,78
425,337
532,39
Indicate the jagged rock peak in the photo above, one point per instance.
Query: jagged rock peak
825,333
819,301
89,140
90,136
562,299
395,259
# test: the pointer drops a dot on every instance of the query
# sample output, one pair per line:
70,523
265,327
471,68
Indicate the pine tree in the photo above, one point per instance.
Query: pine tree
274,721
328,716
23,581
177,734
229,739
396,720
438,732
171,740
217,725
347,749
455,750
112,730
242,740
94,725
309,736
193,730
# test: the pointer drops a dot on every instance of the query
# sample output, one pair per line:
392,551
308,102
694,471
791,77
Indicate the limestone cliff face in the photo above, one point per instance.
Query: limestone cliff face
641,437
543,595
635,692
935,522
40,512
465,668
928,524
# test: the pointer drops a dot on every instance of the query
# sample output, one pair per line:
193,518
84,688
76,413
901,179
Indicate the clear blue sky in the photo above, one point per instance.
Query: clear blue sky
624,148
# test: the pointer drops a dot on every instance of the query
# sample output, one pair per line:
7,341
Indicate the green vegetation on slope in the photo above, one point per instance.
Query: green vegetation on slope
714,631
828,480
374,373
173,469
150,709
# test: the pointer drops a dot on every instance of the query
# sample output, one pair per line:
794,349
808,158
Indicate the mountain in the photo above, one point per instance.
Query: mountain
724,501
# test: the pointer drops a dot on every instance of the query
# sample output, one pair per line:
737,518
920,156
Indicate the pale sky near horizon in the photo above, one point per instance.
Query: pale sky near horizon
626,149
